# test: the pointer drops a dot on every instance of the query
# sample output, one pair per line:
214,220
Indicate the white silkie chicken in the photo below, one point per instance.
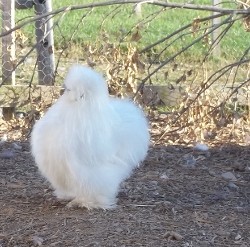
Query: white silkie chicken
88,143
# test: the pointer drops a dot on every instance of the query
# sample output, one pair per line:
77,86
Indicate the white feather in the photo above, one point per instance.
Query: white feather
88,143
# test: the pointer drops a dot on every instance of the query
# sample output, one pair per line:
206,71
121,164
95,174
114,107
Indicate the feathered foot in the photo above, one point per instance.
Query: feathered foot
62,195
81,203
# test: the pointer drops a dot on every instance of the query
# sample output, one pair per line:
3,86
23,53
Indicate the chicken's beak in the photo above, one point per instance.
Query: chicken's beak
62,90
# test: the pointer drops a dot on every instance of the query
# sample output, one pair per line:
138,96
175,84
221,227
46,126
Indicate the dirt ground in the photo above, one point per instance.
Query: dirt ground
177,197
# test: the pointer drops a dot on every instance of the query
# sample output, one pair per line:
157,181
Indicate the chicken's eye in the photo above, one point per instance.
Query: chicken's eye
65,88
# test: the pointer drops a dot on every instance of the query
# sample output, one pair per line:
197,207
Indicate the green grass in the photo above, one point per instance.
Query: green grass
118,25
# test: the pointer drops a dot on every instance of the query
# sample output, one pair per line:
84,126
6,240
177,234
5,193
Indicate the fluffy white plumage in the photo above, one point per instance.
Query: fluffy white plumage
88,143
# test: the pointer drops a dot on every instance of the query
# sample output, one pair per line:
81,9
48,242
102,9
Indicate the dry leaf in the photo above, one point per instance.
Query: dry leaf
136,36
196,25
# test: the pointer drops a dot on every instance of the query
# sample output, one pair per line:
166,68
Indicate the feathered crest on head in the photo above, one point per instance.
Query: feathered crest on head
83,83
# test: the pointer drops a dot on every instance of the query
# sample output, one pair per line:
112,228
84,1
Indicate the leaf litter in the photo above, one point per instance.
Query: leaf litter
179,196
192,190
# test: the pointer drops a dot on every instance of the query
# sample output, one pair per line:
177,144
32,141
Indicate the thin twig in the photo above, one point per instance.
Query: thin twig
115,2
177,54
178,31
206,86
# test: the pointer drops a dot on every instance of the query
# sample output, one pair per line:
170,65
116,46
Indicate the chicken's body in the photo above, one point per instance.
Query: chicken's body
88,143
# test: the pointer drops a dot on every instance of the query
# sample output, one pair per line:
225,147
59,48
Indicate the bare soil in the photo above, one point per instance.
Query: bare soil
177,197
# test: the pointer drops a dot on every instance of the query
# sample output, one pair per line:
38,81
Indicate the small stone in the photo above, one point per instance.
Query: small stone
173,236
16,146
37,240
238,237
231,185
224,233
212,173
7,154
164,176
201,147
229,176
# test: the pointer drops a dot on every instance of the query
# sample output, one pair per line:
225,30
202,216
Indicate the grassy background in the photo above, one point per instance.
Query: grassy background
117,25
77,30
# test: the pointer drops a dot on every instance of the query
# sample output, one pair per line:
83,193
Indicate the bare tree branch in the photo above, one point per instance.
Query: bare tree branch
115,2
227,20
